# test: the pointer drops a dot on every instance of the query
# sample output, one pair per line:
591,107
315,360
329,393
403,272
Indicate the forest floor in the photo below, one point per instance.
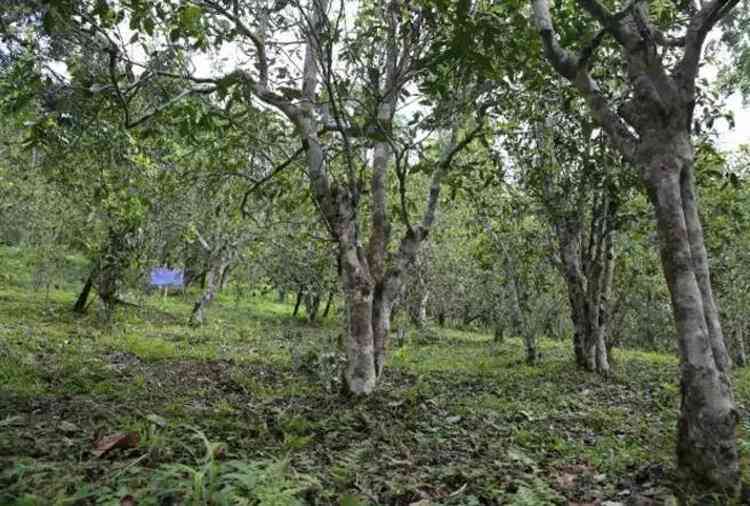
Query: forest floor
248,410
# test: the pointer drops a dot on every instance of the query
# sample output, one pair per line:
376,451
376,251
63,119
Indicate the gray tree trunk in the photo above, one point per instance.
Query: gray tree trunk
652,130
706,444
80,306
212,286
739,343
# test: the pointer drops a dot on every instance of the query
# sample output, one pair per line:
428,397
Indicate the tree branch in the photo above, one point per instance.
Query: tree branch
700,24
569,66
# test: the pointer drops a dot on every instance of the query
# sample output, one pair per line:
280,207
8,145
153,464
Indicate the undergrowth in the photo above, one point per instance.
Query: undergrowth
248,410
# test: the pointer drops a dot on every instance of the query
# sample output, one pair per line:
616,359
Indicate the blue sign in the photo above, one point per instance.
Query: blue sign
161,276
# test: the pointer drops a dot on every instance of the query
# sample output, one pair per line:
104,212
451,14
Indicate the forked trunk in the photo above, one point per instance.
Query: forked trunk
586,290
213,284
706,448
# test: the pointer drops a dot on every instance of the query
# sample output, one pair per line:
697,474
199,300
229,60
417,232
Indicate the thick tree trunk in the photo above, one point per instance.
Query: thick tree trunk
360,374
706,447
80,306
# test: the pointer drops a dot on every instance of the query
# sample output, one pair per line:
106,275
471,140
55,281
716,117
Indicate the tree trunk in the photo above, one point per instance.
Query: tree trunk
739,343
706,447
298,302
312,304
360,373
225,277
329,303
381,320
441,319
213,284
569,238
588,288
700,267
80,306
421,316
499,331
418,307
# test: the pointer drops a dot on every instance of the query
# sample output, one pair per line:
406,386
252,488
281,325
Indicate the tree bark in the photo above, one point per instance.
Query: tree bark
312,304
80,306
329,303
739,342
298,302
586,292
360,373
706,447
213,285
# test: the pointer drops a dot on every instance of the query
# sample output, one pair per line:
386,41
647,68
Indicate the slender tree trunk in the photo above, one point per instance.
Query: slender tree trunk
706,447
312,304
739,342
499,331
225,277
329,303
298,302
700,266
80,306
213,284
421,316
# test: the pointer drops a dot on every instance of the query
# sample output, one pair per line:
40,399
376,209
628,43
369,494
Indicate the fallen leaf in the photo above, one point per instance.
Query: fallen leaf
66,426
566,480
119,440
157,420
12,420
128,500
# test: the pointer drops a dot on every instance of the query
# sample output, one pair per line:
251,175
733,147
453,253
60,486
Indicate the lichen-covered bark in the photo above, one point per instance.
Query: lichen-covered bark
585,290
739,344
213,279
706,448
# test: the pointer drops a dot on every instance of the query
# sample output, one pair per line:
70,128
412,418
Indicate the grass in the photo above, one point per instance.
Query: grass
248,410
